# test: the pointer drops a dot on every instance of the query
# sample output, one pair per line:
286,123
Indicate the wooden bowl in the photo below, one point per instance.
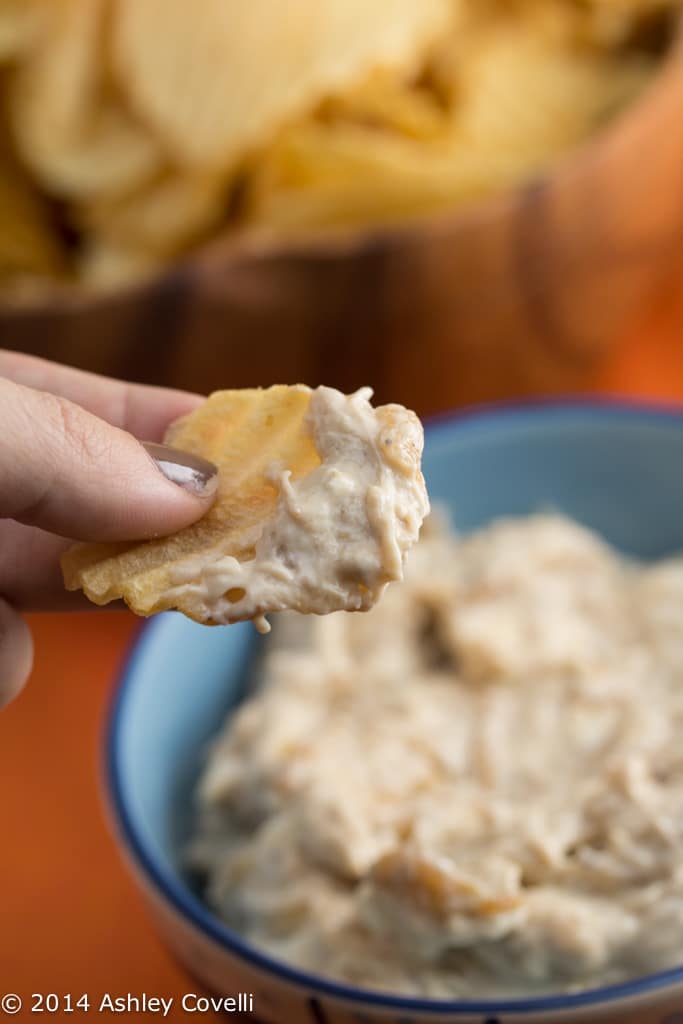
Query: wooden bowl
521,294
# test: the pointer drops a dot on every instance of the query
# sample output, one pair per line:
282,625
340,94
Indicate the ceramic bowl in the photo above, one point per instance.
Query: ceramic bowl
616,467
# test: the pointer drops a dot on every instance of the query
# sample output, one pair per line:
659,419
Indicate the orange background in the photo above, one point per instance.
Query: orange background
70,917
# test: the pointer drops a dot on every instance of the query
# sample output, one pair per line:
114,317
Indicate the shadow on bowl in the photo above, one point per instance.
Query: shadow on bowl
615,467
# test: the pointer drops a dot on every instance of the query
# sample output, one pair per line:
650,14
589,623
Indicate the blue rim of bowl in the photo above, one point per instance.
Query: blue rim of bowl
190,907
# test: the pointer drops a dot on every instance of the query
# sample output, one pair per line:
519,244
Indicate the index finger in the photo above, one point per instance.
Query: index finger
142,410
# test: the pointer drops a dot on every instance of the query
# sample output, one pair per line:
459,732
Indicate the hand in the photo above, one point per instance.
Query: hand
71,467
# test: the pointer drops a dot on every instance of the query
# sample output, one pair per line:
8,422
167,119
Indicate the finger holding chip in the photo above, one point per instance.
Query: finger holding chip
319,497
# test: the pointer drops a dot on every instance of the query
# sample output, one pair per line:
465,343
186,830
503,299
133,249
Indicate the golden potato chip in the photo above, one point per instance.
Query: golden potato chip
522,90
71,129
520,94
388,100
162,125
242,432
319,497
218,82
19,24
107,265
163,218
29,242
612,23
343,174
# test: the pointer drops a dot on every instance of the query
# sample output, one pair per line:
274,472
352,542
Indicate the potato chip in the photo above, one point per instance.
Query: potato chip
343,174
70,127
521,104
162,125
522,91
108,265
218,82
164,217
524,96
611,23
319,497
242,432
20,22
387,99
29,244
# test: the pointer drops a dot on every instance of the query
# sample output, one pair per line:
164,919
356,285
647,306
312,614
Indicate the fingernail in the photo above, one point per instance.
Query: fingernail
190,471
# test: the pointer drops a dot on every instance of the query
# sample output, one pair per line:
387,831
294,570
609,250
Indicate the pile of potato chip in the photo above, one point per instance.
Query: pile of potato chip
134,130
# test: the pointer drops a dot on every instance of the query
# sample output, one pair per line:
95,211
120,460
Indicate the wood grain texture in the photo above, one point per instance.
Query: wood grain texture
523,294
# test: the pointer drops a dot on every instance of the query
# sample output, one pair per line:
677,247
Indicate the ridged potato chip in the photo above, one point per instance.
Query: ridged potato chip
242,432
521,94
71,129
159,124
345,174
30,248
20,22
387,99
164,217
522,98
107,265
610,23
319,497
219,81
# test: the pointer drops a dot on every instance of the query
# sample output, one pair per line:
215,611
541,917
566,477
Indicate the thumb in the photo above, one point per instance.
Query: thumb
16,653
71,473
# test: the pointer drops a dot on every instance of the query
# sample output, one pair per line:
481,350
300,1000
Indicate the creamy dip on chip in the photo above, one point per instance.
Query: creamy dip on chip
339,534
476,789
